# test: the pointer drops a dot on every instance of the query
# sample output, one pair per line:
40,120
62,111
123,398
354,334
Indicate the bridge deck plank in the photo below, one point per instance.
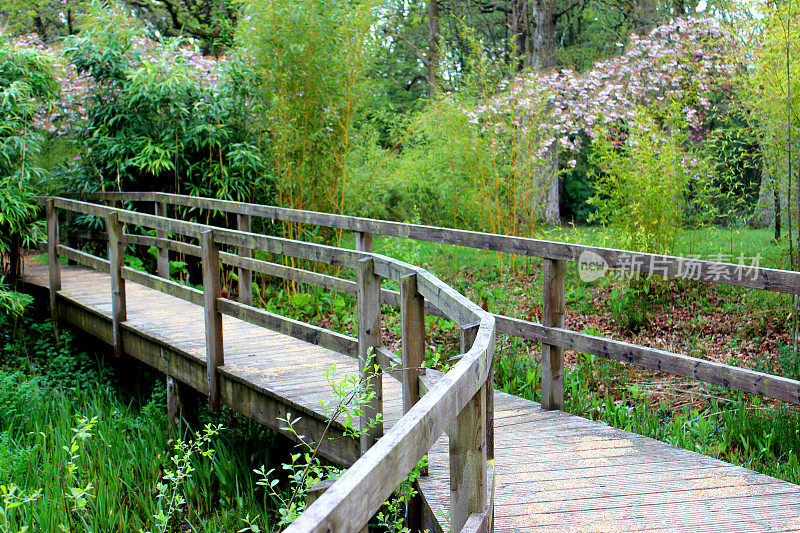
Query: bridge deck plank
553,471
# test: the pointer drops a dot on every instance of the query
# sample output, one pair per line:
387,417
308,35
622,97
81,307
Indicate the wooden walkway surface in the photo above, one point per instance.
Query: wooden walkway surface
554,471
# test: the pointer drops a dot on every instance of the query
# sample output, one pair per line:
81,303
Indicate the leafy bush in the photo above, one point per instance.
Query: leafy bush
647,170
26,81
33,348
154,124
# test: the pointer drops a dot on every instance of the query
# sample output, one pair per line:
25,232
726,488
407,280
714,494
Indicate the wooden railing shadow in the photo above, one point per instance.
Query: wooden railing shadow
460,403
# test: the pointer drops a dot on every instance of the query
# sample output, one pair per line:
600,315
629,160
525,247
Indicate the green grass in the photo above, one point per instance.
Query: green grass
49,389
708,243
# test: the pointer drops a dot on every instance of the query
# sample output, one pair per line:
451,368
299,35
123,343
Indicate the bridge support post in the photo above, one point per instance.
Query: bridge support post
553,316
213,318
162,252
369,335
173,408
116,257
54,266
245,275
412,318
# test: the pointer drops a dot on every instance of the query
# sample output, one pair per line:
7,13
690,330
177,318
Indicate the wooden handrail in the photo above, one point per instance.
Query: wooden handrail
458,401
742,379
646,263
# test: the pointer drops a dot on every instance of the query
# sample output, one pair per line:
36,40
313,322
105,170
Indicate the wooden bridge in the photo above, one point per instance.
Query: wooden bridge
496,462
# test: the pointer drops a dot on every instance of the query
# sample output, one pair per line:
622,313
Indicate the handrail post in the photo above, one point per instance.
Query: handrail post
162,252
116,257
369,336
553,279
245,275
54,266
213,318
467,339
412,318
468,460
363,241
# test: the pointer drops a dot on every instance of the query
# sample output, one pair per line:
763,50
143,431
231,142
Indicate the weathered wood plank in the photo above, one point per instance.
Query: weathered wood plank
412,318
733,377
294,328
162,252
454,305
677,267
466,340
92,261
389,362
363,241
167,286
728,376
54,266
245,275
468,481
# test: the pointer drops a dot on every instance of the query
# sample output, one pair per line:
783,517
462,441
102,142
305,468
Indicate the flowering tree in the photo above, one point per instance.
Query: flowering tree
686,61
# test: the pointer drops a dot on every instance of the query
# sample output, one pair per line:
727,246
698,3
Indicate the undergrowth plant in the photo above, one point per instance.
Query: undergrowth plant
305,468
169,491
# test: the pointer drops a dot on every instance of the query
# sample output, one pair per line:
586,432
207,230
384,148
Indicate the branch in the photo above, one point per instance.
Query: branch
415,79
411,45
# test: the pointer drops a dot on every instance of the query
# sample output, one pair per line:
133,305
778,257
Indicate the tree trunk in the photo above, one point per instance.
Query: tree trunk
520,27
40,30
542,56
15,260
542,34
777,199
644,16
433,45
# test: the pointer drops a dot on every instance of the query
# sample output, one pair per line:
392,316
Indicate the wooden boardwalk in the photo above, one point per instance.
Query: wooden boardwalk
553,471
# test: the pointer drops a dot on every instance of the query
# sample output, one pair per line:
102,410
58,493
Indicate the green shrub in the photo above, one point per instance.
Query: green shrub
646,171
153,125
27,84
629,307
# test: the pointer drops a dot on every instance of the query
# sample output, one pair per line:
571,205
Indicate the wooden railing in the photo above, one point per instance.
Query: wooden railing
550,331
459,403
